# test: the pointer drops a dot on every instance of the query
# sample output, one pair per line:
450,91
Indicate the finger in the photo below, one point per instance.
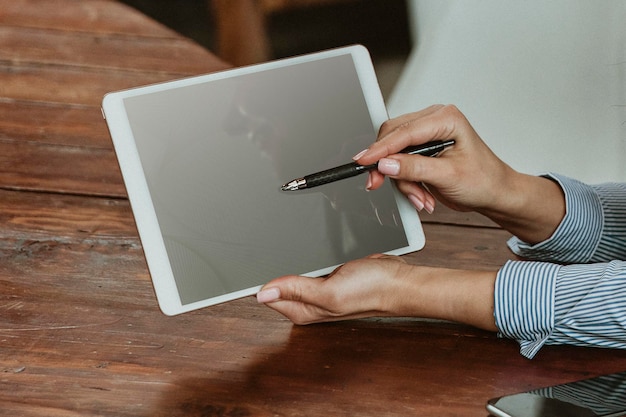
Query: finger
301,304
417,168
386,256
375,180
441,123
391,124
289,287
300,313
418,195
293,296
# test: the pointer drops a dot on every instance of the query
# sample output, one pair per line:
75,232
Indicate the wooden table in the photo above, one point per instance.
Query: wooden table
80,330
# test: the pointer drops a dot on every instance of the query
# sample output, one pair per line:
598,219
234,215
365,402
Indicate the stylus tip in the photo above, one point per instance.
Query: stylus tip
293,185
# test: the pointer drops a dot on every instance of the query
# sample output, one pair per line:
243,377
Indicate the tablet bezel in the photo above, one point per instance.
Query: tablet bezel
139,195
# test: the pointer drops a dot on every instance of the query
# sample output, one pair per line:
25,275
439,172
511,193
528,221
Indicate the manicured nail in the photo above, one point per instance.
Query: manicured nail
389,166
360,154
416,202
429,207
268,295
368,184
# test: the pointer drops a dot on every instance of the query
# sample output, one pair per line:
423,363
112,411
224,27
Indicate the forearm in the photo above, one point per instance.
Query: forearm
383,285
448,294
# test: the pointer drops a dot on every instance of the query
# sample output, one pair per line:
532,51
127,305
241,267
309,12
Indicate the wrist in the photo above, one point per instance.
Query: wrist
530,207
461,296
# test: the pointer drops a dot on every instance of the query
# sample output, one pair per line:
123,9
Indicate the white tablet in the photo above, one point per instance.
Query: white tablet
203,160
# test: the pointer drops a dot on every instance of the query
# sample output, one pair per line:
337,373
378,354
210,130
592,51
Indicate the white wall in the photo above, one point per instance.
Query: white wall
543,82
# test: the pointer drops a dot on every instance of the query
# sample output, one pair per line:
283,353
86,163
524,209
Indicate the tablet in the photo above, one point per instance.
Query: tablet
203,160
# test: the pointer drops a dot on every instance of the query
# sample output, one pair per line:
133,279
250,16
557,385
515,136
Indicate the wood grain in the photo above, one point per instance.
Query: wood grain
80,330
94,16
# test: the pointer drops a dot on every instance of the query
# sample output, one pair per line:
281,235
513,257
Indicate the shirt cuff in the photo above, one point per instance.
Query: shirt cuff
524,303
590,305
577,237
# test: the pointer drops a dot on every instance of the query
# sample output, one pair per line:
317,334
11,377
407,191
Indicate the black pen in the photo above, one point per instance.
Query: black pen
352,169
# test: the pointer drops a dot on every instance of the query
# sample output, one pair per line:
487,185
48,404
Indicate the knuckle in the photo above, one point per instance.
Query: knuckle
387,126
296,292
451,110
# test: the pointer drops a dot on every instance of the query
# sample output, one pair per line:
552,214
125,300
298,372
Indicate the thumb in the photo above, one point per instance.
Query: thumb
415,168
292,296
268,295
287,288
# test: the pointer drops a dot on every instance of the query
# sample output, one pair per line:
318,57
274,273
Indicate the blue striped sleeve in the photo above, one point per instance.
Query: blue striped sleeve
612,243
582,302
524,303
593,229
578,235
590,305
540,303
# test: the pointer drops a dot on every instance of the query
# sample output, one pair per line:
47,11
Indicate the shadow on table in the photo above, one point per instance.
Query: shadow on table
340,369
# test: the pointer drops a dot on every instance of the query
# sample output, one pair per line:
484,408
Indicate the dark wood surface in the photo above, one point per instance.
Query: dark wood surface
80,330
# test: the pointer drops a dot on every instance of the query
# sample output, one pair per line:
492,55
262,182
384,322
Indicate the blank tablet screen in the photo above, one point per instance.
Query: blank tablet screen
215,154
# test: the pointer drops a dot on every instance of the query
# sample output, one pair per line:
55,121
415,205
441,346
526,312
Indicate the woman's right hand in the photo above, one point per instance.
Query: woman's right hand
467,176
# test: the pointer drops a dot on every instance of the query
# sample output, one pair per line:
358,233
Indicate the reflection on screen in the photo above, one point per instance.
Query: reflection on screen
215,155
596,397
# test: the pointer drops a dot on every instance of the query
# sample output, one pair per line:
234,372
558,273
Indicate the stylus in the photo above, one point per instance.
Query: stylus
352,169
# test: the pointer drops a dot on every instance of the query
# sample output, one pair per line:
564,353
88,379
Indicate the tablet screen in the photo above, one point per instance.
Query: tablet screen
214,155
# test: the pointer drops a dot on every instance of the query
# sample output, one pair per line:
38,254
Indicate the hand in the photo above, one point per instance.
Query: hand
357,289
467,176
383,285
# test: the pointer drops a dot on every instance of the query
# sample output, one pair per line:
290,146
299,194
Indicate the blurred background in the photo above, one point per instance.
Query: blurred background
529,75
244,32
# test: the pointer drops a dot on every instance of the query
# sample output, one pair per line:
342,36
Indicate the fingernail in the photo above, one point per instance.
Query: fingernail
268,295
389,166
360,154
416,202
428,206
368,185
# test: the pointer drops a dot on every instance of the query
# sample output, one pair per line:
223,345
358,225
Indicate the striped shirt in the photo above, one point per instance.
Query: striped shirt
573,288
603,395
